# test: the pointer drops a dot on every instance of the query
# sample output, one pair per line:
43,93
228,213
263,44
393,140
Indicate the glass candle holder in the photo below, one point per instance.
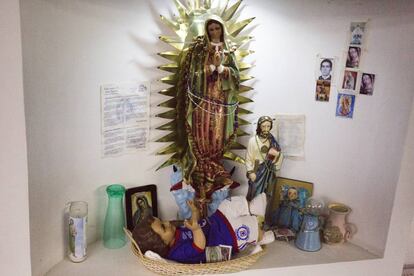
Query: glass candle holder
77,244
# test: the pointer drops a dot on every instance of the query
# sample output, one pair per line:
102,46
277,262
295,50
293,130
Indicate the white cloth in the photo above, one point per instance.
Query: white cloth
245,226
154,256
268,237
253,154
257,205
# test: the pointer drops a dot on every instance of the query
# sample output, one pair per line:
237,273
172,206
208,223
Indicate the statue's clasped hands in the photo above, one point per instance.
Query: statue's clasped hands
217,59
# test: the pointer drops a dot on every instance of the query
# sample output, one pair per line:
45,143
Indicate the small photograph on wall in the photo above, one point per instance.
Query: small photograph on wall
367,84
323,90
353,57
325,68
350,80
357,32
345,105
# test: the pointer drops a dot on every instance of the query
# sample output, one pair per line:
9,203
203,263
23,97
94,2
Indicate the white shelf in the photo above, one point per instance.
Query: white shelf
102,261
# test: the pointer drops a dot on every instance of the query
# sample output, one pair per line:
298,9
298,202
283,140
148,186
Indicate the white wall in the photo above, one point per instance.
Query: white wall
71,47
14,209
409,258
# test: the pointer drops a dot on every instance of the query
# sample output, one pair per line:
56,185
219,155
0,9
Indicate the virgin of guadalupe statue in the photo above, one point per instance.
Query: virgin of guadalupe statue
206,95
207,86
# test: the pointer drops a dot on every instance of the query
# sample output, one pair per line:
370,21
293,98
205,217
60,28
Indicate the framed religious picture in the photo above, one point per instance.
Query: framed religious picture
139,203
290,196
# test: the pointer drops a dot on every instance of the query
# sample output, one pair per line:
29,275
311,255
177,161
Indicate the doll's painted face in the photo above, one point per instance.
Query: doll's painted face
164,229
214,32
292,194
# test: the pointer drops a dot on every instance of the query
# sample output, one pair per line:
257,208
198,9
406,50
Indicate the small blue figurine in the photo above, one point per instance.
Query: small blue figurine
289,214
308,238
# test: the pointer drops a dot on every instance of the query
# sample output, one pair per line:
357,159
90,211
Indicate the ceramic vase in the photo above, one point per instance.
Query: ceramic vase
337,229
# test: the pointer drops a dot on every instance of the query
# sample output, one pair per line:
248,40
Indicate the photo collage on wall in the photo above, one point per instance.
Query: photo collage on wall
353,80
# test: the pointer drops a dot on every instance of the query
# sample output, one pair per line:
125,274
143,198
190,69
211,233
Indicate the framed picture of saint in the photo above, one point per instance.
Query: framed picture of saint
139,203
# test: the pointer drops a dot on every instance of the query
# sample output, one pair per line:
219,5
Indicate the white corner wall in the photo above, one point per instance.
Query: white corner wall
409,258
70,48
14,210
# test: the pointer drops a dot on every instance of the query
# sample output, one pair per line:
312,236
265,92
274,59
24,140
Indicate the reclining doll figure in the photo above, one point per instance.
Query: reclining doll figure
234,224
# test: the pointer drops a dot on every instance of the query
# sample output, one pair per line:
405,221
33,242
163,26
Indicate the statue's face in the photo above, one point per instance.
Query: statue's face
214,31
292,194
265,128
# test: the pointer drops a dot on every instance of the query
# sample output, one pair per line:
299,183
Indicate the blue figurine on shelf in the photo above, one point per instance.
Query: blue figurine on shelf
289,214
308,238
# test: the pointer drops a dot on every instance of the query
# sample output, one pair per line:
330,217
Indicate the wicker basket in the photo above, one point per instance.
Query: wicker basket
168,268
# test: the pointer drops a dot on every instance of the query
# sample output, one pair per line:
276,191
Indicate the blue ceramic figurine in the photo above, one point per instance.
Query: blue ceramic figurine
289,214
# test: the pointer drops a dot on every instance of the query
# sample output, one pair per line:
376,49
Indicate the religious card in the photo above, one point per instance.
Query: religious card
367,84
353,58
350,80
345,105
357,30
323,90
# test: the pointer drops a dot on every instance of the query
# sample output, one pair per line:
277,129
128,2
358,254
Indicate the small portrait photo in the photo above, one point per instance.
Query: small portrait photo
350,80
140,202
325,68
345,105
353,57
367,84
323,90
357,32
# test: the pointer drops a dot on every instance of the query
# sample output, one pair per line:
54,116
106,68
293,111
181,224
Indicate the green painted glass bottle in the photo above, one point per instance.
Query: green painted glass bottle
114,236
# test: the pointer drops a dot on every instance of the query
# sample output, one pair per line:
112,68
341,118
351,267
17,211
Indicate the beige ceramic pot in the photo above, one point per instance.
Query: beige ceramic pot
337,229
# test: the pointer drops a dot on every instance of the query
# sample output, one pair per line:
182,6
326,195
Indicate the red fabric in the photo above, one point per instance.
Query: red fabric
177,186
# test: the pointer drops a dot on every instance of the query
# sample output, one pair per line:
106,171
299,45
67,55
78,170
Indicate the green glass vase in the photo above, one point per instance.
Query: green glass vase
114,236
